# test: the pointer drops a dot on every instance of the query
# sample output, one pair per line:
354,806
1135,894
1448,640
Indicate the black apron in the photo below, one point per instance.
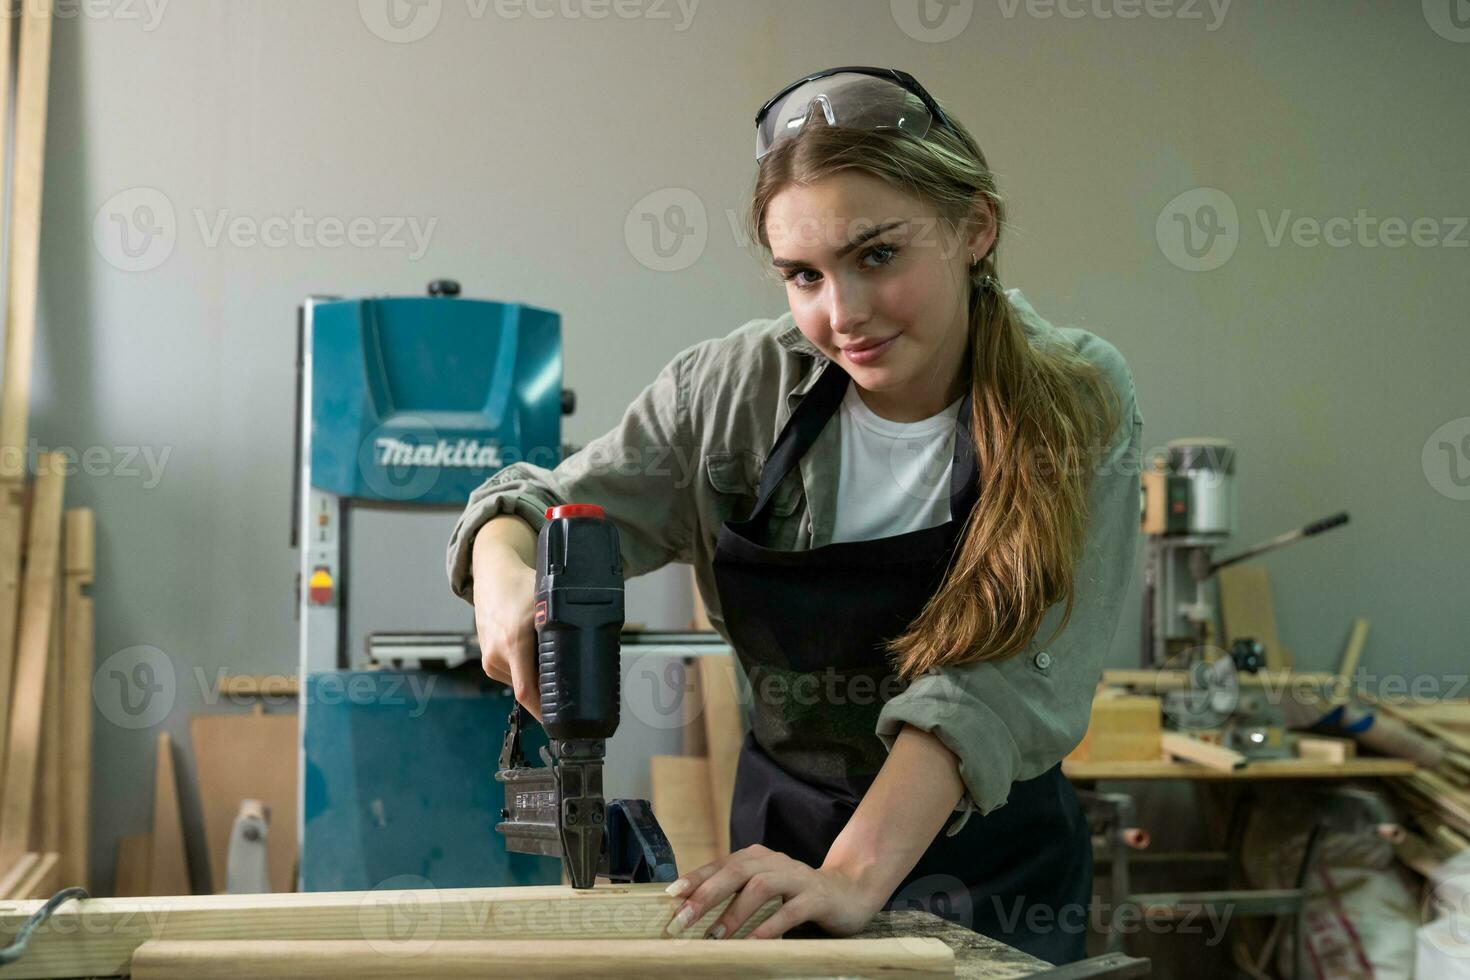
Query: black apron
809,628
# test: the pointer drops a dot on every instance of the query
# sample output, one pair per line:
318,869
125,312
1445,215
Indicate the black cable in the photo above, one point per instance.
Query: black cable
17,947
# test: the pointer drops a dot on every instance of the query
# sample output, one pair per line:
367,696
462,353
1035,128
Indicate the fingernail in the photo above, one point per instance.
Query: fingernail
718,932
678,888
685,917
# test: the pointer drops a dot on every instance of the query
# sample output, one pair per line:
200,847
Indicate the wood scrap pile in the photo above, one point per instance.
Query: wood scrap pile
46,551
1436,799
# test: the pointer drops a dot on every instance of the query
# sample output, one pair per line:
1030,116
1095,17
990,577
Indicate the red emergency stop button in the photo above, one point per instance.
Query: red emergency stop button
319,586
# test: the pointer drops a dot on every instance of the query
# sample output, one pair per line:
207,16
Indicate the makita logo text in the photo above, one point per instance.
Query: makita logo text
465,452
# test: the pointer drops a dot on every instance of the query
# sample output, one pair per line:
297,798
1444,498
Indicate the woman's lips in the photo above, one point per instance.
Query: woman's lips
869,354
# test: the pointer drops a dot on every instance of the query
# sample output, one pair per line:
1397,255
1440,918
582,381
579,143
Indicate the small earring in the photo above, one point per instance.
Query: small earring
974,262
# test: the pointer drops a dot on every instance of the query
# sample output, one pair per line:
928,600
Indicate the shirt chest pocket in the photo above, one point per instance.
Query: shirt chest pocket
735,479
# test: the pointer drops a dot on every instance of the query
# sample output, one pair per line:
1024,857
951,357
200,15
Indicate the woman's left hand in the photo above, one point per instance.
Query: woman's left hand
826,896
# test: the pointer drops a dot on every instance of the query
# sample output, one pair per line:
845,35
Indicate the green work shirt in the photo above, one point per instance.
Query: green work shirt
687,456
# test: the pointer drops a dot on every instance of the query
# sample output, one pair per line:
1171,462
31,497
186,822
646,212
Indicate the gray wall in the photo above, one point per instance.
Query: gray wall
531,144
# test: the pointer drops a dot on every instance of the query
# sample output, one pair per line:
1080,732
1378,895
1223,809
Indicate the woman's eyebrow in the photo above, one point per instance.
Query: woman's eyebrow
865,236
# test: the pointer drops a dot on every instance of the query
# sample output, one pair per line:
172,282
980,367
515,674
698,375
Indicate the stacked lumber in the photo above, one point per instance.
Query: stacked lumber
46,552
1436,799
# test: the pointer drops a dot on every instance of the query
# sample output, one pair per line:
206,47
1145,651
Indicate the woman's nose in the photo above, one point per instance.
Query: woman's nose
847,306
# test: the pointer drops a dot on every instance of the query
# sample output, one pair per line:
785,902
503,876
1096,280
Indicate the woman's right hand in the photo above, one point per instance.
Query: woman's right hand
505,600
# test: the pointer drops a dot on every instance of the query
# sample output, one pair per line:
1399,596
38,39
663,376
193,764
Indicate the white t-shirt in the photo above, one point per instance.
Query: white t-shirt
895,475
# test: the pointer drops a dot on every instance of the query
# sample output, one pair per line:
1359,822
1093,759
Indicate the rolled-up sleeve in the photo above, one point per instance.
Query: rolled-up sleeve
639,473
1013,720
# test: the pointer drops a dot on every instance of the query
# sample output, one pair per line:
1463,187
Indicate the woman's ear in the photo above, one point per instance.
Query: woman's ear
982,228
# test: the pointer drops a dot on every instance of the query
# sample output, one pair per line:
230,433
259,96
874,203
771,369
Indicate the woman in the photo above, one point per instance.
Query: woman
913,518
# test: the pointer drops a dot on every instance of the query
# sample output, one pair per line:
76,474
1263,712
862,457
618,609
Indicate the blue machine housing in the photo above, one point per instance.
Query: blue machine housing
413,403
421,398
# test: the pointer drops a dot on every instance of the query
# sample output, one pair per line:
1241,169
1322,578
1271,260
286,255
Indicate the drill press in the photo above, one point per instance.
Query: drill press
558,809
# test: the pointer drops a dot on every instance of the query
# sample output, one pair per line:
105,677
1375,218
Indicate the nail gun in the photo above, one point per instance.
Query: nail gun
558,809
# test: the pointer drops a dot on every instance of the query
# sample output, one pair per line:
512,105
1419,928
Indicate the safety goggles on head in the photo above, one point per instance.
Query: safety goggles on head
852,97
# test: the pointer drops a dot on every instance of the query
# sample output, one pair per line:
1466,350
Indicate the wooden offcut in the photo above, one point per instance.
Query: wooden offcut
1247,611
130,875
37,612
168,865
76,708
724,732
246,757
1218,757
27,169
1122,729
647,959
44,878
681,798
399,920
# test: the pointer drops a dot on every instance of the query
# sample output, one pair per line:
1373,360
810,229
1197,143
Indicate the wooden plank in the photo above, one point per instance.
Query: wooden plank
131,877
1178,680
76,742
258,686
648,959
27,169
1245,607
12,532
43,558
1192,749
168,866
1122,729
681,798
1357,639
44,880
1325,748
399,920
724,733
247,757
18,873
1260,769
46,831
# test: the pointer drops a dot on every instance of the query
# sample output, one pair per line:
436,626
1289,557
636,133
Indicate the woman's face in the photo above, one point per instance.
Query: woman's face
879,286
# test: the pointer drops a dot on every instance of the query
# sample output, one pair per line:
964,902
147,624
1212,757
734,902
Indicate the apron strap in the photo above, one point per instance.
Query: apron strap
811,417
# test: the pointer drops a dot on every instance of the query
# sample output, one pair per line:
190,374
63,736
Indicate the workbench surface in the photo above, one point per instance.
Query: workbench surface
1260,769
976,957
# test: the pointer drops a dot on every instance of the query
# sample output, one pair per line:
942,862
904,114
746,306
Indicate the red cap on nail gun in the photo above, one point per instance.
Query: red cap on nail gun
573,510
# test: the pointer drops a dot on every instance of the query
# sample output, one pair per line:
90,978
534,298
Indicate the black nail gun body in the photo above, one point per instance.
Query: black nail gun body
558,809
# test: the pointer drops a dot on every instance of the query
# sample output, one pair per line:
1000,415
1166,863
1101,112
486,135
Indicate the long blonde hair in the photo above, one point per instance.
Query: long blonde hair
1039,412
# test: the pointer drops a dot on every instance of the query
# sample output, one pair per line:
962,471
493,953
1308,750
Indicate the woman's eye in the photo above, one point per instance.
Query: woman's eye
885,253
794,277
